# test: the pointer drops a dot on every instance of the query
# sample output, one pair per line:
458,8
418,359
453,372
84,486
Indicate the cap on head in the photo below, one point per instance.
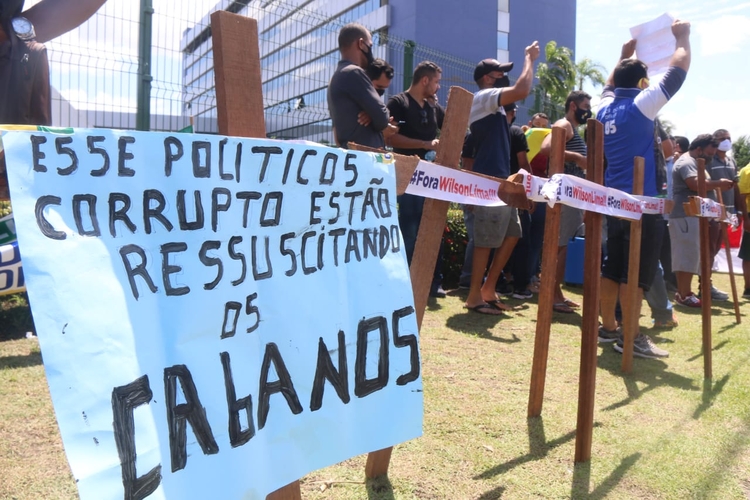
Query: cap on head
487,66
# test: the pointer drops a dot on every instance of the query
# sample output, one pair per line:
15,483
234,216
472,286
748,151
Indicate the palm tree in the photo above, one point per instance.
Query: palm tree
557,76
586,69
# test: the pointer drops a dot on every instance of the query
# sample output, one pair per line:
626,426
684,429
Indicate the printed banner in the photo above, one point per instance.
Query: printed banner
712,209
651,205
533,186
7,229
449,184
11,272
218,316
586,195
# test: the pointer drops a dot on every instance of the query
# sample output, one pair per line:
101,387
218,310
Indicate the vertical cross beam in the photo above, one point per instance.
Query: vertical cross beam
705,278
239,105
547,284
591,294
632,304
431,230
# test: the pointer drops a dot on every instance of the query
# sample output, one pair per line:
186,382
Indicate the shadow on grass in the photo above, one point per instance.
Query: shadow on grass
716,348
481,325
651,372
32,359
731,326
380,488
582,479
493,494
710,391
538,448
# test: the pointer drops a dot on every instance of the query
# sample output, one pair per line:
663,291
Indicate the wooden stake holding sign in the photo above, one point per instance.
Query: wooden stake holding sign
431,228
631,307
591,295
547,285
705,278
730,264
239,104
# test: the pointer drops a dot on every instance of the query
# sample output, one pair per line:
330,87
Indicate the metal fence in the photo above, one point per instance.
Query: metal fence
95,68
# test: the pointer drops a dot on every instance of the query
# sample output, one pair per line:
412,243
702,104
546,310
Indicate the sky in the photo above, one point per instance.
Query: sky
714,94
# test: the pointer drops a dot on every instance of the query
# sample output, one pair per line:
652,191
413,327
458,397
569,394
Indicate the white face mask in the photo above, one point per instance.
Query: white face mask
725,145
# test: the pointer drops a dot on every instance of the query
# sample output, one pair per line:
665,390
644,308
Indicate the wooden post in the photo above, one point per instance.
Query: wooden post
631,308
239,105
705,278
431,230
730,264
591,295
547,284
239,86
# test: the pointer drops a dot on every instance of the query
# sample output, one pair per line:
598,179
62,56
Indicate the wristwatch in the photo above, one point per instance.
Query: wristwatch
23,28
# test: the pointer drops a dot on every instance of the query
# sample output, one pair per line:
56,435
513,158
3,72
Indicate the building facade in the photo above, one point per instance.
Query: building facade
299,52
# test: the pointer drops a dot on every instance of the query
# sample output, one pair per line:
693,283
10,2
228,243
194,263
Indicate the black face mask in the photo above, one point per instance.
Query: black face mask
368,55
582,115
10,9
381,92
502,82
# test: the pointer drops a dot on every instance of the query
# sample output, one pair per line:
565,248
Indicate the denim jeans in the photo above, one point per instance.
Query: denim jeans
409,216
658,301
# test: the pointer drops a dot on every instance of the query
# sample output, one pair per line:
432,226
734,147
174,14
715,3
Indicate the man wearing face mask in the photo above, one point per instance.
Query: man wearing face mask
721,166
351,91
684,231
494,227
419,118
628,109
381,74
577,112
24,70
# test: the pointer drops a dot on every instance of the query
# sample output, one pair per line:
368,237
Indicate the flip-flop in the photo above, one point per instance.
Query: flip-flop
570,303
500,305
484,308
562,307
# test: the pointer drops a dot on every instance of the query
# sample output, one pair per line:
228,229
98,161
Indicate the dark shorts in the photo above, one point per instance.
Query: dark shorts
745,246
615,265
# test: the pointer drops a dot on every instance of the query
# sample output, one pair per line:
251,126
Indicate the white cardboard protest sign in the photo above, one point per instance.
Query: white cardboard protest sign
218,316
448,184
655,44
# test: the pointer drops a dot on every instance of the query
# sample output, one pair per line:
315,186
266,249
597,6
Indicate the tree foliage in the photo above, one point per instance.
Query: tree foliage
588,70
741,151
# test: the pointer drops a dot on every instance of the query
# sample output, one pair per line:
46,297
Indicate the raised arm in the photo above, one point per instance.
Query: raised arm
52,18
521,89
627,51
681,57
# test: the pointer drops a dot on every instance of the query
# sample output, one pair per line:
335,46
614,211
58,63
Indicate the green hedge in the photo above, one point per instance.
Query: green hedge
454,247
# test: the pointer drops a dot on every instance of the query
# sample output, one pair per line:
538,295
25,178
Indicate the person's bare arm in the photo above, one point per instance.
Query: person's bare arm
521,89
402,142
523,160
52,18
546,146
723,184
681,56
627,51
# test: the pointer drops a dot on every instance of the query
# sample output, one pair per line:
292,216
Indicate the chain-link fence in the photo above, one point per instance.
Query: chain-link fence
97,70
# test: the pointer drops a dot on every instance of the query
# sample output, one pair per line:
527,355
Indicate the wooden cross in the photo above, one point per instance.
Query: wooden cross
239,102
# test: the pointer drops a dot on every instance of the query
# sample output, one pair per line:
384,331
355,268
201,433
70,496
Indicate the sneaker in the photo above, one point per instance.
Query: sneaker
607,336
690,300
504,289
747,293
643,347
438,292
717,294
523,295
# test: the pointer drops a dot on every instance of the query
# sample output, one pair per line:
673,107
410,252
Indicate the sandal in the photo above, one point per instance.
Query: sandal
572,304
562,307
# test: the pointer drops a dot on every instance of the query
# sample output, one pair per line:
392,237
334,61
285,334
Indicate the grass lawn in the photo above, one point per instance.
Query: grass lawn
661,432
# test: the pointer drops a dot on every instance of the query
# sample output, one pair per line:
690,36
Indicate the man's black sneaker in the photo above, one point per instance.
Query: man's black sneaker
607,336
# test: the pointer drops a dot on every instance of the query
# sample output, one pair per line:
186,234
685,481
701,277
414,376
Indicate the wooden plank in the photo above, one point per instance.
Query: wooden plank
705,278
547,284
591,296
405,165
289,492
730,264
239,90
631,306
431,229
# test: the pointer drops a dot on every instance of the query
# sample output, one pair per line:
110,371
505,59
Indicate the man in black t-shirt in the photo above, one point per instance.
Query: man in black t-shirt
419,117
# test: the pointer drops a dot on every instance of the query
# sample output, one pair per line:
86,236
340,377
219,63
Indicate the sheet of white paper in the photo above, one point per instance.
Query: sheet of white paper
655,44
174,281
